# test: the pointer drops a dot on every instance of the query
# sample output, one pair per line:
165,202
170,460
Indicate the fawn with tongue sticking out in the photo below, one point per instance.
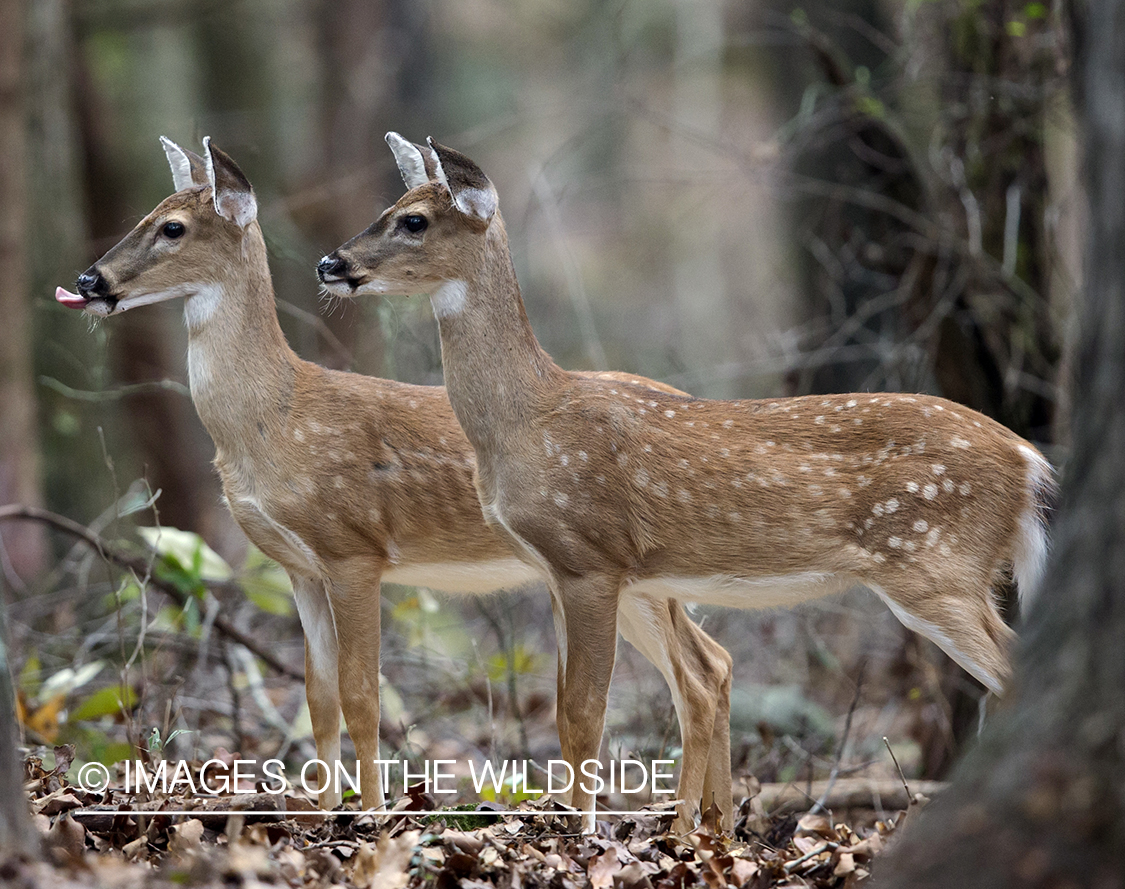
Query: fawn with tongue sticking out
347,480
617,491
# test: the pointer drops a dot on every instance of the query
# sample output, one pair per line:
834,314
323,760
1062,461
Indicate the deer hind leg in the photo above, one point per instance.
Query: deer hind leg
962,619
321,679
355,601
698,672
585,609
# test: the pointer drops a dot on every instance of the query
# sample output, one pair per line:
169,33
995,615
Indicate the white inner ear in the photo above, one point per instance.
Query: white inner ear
210,163
476,202
409,160
240,207
178,161
440,171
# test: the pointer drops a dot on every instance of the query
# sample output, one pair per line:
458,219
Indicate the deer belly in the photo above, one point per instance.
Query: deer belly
782,590
464,577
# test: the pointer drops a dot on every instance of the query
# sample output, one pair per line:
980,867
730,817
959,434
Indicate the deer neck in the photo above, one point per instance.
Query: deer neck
240,368
494,367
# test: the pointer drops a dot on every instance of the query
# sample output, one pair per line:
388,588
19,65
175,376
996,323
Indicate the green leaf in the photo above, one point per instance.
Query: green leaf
189,551
523,661
109,701
266,584
29,675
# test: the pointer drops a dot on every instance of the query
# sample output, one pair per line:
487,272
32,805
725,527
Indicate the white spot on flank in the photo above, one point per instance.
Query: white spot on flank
561,499
449,299
852,403
683,496
583,456
298,435
660,489
912,487
947,486
641,478
938,469
892,505
727,424
921,526
965,489
930,491
669,414
894,542
958,442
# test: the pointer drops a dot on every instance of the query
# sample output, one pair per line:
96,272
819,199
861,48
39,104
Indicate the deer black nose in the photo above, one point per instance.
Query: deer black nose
91,283
331,266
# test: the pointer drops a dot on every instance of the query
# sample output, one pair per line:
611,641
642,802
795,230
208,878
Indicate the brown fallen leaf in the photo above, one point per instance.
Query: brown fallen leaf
817,825
384,864
184,839
603,868
67,839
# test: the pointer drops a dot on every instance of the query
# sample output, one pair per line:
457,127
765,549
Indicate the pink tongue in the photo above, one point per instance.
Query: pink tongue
70,300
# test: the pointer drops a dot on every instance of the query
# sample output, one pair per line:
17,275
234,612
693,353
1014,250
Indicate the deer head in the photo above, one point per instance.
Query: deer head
180,248
421,242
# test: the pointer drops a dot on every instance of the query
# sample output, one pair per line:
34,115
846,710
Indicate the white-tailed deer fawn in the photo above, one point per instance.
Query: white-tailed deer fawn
618,491
345,479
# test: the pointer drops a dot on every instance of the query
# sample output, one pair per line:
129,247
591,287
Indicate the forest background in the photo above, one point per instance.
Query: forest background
740,199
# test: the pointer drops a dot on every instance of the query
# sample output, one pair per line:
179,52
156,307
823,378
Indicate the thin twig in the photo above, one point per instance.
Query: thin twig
115,556
117,393
835,773
894,759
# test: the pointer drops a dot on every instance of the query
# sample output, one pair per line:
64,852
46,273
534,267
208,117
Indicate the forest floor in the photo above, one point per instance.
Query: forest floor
261,839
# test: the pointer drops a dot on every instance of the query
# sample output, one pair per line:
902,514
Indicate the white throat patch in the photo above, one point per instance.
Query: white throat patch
449,299
200,306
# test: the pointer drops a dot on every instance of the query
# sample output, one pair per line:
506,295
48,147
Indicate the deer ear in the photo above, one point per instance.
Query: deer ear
473,194
411,160
233,194
188,168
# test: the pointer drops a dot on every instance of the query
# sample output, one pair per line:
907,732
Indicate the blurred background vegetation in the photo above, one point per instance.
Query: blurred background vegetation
743,199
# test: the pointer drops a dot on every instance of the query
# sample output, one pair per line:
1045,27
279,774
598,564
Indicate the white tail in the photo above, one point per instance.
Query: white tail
346,480
618,490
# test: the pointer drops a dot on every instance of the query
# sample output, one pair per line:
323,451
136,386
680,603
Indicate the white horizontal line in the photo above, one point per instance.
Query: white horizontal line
378,813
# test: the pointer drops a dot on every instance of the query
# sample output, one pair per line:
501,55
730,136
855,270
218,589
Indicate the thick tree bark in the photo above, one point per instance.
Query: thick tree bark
24,548
1041,800
17,837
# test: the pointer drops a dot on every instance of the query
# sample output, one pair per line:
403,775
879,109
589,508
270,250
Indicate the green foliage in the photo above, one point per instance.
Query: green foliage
521,661
108,701
266,584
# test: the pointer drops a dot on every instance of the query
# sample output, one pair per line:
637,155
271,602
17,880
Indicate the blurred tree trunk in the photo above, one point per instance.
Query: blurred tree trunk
17,838
23,544
1041,801
374,64
162,427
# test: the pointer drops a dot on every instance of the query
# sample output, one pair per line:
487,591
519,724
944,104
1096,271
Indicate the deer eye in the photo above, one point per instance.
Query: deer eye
173,230
414,223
